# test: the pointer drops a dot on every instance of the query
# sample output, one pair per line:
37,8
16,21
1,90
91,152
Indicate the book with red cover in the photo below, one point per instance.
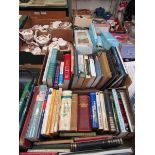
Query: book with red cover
84,113
38,153
24,143
67,70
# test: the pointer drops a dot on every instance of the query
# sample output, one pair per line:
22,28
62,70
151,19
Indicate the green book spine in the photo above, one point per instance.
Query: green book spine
22,101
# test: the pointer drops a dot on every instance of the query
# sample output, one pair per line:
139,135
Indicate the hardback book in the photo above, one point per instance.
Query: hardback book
72,59
57,112
92,72
49,121
65,113
100,144
99,72
93,111
109,111
99,112
83,42
56,77
23,142
123,131
48,150
84,113
81,71
67,71
61,75
103,112
38,153
51,68
77,134
46,68
75,78
44,124
74,112
36,115
105,69
87,71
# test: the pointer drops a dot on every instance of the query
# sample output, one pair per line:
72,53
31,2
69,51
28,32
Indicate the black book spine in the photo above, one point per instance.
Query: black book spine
101,144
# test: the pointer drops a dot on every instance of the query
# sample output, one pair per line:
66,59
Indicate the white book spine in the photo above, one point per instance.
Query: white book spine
104,116
92,67
46,68
81,63
99,112
118,110
43,129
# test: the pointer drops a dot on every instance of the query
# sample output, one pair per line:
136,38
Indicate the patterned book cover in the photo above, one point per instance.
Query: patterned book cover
93,111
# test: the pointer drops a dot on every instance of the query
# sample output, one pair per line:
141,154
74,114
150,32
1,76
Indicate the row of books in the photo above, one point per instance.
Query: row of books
67,113
100,70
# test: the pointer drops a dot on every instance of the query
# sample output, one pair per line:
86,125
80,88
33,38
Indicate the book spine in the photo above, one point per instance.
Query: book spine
77,134
65,114
99,112
104,115
93,111
61,75
56,79
43,130
81,63
119,114
109,112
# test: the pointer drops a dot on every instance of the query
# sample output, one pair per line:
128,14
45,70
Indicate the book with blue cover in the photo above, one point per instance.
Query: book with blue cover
93,111
61,75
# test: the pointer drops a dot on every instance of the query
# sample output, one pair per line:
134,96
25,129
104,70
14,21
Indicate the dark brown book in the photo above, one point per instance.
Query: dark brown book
23,142
84,113
74,111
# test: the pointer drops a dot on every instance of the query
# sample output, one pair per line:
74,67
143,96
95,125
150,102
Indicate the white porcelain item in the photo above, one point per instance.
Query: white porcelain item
27,34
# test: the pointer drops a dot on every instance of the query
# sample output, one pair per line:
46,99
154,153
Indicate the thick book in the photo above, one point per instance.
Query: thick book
51,68
74,112
23,142
75,78
61,75
36,115
38,153
93,111
105,69
67,71
109,111
84,113
65,113
77,134
56,76
81,71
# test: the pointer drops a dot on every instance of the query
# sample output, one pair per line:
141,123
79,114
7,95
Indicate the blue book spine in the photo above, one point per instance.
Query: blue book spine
61,74
93,111
118,110
120,66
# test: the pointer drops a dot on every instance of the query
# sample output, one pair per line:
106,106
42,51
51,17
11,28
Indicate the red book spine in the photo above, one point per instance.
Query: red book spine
24,142
67,66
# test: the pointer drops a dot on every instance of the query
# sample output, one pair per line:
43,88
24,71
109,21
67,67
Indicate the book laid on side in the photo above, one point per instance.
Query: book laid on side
101,144
56,76
93,111
44,124
92,72
74,111
99,112
75,78
49,121
51,68
46,68
123,131
84,113
77,134
105,69
38,153
65,113
61,75
109,111
104,114
67,71
81,71
36,115
87,71
48,150
99,72
23,142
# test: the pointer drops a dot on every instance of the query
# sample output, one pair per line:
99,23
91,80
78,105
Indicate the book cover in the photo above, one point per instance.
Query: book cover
77,134
67,70
84,113
61,75
38,153
65,113
93,111
56,77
